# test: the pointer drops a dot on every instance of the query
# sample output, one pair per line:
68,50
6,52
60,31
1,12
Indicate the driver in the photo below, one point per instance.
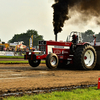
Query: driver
74,39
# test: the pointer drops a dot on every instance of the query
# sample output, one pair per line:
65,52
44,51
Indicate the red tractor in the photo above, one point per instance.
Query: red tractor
75,52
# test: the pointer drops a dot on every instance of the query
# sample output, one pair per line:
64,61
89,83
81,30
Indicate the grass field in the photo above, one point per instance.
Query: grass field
91,93
14,62
12,57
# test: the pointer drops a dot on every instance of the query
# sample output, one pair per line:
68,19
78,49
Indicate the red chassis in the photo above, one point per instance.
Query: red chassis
61,49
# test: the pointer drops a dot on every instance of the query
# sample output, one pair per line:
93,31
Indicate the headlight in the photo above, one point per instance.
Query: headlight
29,53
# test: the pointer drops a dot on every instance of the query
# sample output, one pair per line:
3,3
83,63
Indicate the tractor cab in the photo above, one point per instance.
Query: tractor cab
75,37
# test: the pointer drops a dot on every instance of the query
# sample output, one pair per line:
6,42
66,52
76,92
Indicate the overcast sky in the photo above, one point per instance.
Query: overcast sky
17,16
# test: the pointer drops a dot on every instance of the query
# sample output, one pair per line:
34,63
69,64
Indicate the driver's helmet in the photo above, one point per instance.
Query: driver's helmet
74,36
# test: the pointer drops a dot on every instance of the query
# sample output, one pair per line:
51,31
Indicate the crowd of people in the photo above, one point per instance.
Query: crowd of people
9,49
3,48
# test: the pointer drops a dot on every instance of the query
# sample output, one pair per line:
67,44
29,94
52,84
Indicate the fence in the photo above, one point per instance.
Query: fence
12,53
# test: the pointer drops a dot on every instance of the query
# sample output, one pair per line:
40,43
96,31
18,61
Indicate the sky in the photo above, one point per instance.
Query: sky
18,16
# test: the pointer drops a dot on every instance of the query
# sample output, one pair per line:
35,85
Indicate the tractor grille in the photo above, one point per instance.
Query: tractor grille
42,42
43,48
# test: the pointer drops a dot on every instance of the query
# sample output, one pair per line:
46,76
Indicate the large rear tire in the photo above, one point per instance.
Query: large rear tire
85,57
52,61
34,63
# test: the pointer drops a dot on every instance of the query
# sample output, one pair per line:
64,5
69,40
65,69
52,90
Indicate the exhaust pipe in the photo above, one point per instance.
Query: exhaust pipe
56,37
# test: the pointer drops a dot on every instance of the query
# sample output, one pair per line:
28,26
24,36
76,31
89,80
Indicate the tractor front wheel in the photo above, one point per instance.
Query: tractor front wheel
34,63
52,61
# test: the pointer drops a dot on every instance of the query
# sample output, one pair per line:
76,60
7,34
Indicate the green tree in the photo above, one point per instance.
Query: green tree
26,36
88,36
98,37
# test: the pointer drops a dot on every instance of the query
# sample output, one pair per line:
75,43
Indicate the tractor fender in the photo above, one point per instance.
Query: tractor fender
84,43
73,46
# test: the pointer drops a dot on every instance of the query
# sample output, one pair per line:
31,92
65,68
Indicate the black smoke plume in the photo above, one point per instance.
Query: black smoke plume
88,9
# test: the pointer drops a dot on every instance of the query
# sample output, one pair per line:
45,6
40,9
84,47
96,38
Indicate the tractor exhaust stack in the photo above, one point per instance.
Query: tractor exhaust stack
56,37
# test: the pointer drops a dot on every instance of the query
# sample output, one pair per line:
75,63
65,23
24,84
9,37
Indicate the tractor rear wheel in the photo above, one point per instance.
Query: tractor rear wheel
34,63
52,61
85,57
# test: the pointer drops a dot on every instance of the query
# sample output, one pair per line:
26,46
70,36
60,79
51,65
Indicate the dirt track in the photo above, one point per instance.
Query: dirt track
21,77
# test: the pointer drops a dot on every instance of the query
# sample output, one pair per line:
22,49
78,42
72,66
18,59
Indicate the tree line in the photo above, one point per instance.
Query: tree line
26,36
88,36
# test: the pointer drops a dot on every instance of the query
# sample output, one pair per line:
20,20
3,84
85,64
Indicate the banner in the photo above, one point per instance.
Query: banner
10,53
6,53
31,41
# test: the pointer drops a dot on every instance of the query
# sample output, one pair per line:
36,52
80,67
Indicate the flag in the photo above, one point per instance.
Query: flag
31,41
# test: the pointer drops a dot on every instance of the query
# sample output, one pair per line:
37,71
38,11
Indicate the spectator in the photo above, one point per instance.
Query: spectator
4,49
